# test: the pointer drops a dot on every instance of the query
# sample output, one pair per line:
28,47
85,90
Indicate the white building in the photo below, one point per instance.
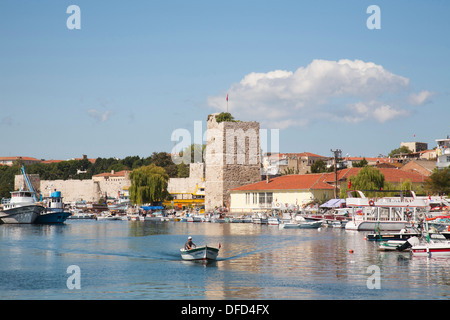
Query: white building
443,153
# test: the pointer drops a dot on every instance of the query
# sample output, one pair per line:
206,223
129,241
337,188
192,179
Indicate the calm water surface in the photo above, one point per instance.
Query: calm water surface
141,260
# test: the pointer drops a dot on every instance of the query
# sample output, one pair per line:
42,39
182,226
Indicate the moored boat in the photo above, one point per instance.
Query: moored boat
301,225
54,212
21,208
200,253
432,249
383,214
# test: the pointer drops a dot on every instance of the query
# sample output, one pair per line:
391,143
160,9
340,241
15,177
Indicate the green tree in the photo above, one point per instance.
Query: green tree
225,116
438,182
319,166
368,178
148,184
360,164
396,152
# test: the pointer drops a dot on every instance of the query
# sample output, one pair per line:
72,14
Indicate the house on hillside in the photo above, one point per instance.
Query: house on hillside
9,161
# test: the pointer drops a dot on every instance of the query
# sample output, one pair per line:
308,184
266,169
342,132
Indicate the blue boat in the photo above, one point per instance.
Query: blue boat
54,212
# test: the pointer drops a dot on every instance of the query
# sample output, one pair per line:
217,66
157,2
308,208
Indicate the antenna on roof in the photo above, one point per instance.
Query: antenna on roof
337,154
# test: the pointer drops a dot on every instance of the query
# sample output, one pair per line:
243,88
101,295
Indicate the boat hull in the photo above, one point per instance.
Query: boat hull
301,225
200,253
376,225
18,215
52,218
391,236
432,250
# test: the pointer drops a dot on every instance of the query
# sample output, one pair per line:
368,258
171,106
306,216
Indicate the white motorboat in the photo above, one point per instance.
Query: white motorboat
432,249
80,214
200,253
108,216
301,225
259,218
422,247
274,221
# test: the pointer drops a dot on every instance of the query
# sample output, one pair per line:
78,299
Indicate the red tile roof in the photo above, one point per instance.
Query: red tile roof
298,155
289,182
323,181
18,158
110,174
390,175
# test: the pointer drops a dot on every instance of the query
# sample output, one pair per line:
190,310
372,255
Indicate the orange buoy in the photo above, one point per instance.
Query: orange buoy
351,251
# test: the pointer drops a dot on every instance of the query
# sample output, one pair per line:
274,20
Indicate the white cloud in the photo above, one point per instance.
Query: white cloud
420,98
98,115
344,90
386,112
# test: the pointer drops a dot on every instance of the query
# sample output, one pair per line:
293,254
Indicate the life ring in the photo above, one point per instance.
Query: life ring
278,205
421,216
371,203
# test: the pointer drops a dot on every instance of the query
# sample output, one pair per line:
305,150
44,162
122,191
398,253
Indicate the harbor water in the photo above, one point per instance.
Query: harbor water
141,260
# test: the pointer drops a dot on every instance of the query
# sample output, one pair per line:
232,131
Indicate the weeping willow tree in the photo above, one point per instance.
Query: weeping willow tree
368,178
148,184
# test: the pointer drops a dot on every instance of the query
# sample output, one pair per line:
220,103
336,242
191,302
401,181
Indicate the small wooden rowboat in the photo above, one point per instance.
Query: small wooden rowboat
200,253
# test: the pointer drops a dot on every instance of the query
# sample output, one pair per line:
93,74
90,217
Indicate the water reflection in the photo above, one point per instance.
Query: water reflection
124,259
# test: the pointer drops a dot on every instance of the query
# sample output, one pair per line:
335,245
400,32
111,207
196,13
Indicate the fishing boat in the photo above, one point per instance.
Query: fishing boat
54,212
383,214
23,206
200,253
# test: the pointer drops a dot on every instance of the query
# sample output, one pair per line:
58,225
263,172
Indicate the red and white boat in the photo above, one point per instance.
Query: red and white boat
426,248
432,249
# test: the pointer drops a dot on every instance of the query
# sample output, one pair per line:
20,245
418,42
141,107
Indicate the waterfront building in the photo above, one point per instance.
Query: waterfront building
288,191
296,191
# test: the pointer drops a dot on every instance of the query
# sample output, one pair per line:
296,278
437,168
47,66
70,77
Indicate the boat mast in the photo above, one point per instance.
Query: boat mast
29,184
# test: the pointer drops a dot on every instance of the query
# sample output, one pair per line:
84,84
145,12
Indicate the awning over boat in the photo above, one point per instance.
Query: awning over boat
333,203
146,208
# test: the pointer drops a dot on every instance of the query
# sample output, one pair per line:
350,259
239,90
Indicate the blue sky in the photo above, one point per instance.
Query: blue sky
138,70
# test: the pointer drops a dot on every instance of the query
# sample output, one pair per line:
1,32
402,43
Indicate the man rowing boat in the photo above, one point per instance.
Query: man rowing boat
189,244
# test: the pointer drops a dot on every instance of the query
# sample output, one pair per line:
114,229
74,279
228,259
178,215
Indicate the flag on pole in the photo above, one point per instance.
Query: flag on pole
227,102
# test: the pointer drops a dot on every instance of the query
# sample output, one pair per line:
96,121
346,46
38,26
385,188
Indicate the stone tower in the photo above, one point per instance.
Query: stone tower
232,159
